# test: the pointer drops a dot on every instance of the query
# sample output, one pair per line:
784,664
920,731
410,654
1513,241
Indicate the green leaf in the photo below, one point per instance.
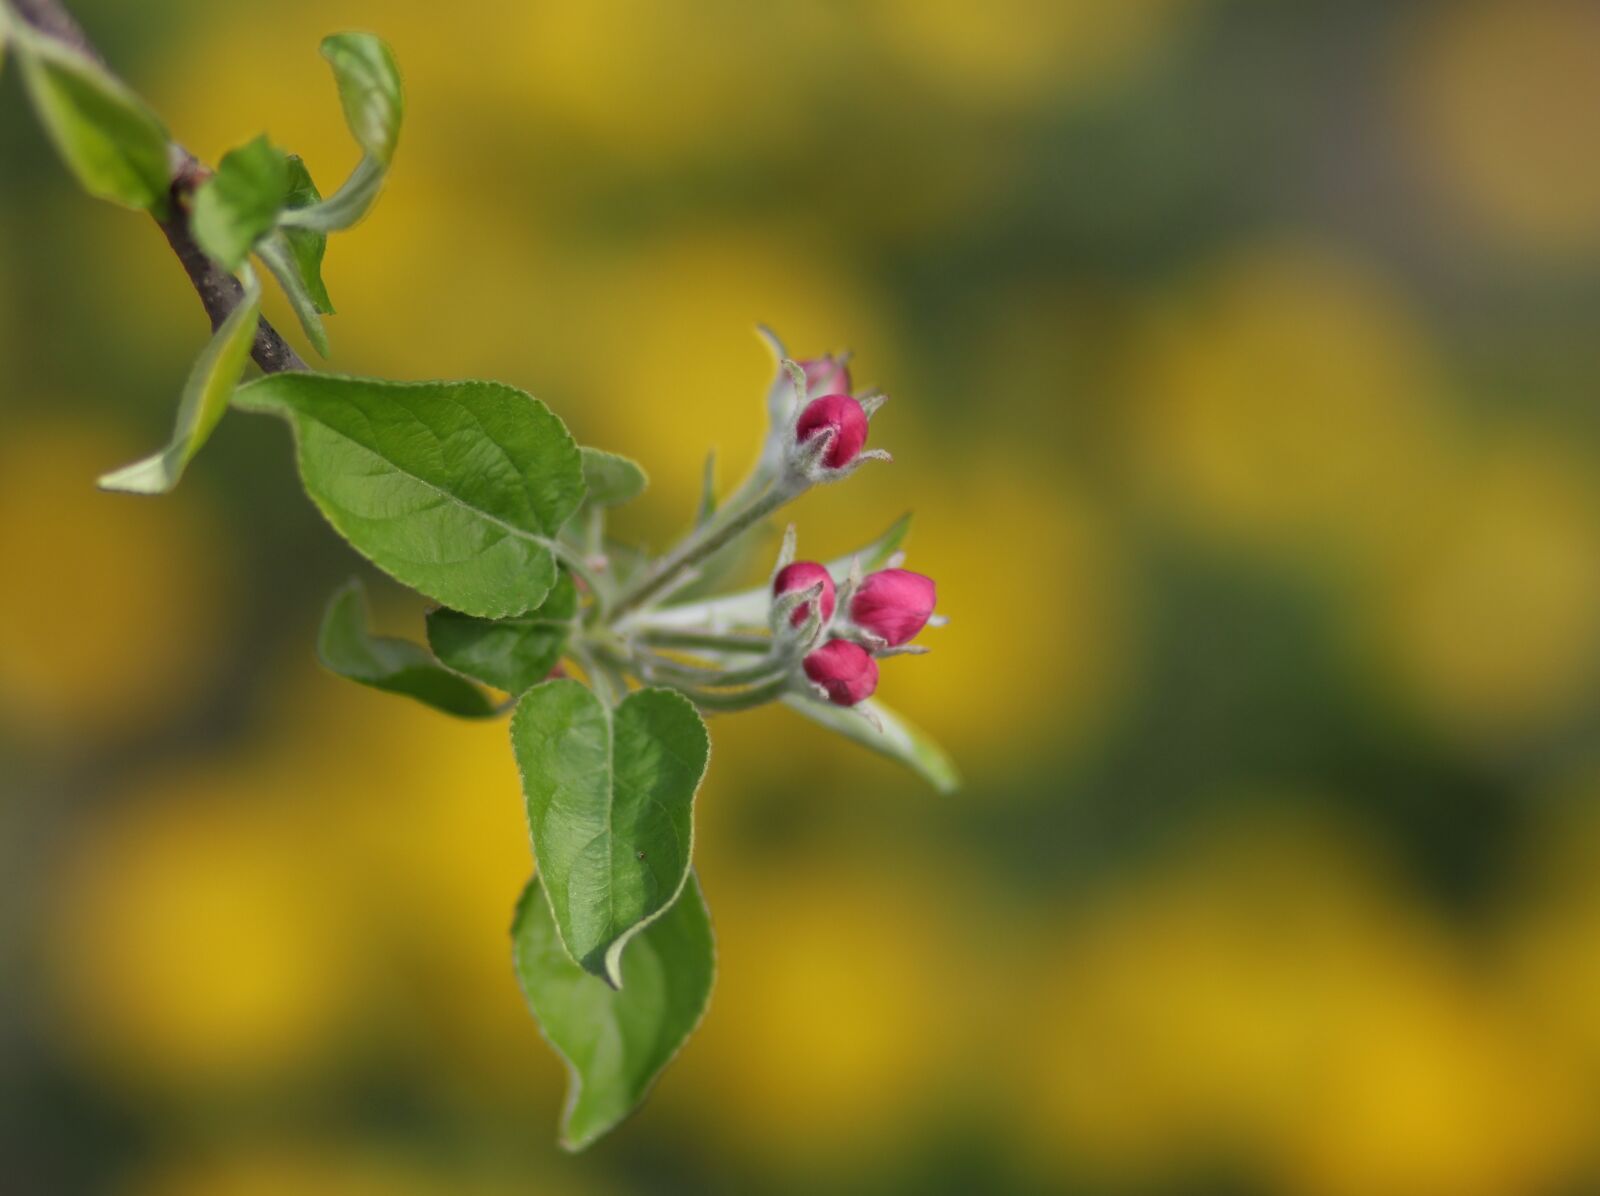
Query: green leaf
512,654
748,608
211,381
278,256
307,245
899,739
374,104
456,489
346,647
610,798
104,133
615,1043
294,255
369,90
239,204
611,480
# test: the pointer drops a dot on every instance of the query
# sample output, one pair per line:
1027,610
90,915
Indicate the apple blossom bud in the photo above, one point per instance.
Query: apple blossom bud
802,575
847,671
845,417
826,375
893,604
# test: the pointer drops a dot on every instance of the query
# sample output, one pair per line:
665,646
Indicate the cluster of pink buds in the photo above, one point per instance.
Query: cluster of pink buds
827,633
885,612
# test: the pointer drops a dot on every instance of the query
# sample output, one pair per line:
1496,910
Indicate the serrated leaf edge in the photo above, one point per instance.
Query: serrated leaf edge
569,1101
613,956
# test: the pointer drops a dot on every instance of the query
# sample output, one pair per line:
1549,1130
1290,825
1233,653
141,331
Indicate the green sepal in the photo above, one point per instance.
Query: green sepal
611,480
615,1043
105,134
512,654
893,737
239,204
212,379
456,489
610,802
345,646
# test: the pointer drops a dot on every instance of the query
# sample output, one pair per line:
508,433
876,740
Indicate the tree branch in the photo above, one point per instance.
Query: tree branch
219,291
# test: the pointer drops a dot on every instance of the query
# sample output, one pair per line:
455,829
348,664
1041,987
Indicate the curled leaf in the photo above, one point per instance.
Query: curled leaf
369,90
211,382
374,105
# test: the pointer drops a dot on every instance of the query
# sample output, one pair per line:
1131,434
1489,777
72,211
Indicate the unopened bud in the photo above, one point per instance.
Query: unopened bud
848,422
802,575
893,604
826,375
845,670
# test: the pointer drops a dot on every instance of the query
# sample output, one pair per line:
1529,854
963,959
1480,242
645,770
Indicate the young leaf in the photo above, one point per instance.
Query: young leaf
239,204
369,90
899,739
204,401
277,255
307,245
374,104
294,255
610,797
346,647
456,489
104,133
748,608
615,1043
611,480
512,654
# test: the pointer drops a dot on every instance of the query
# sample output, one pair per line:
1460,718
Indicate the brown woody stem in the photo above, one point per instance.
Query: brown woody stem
219,291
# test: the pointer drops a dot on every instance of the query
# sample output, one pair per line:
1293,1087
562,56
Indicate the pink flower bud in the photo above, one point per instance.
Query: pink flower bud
893,604
826,375
848,421
847,671
802,575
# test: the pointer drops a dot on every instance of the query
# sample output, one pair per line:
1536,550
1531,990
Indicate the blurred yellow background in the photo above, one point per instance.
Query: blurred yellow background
1242,356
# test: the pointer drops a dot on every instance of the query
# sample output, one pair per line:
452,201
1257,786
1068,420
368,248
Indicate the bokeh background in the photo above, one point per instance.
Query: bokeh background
1243,359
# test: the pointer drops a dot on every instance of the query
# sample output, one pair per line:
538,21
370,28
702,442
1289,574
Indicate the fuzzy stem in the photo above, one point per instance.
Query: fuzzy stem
665,669
702,543
708,640
744,699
